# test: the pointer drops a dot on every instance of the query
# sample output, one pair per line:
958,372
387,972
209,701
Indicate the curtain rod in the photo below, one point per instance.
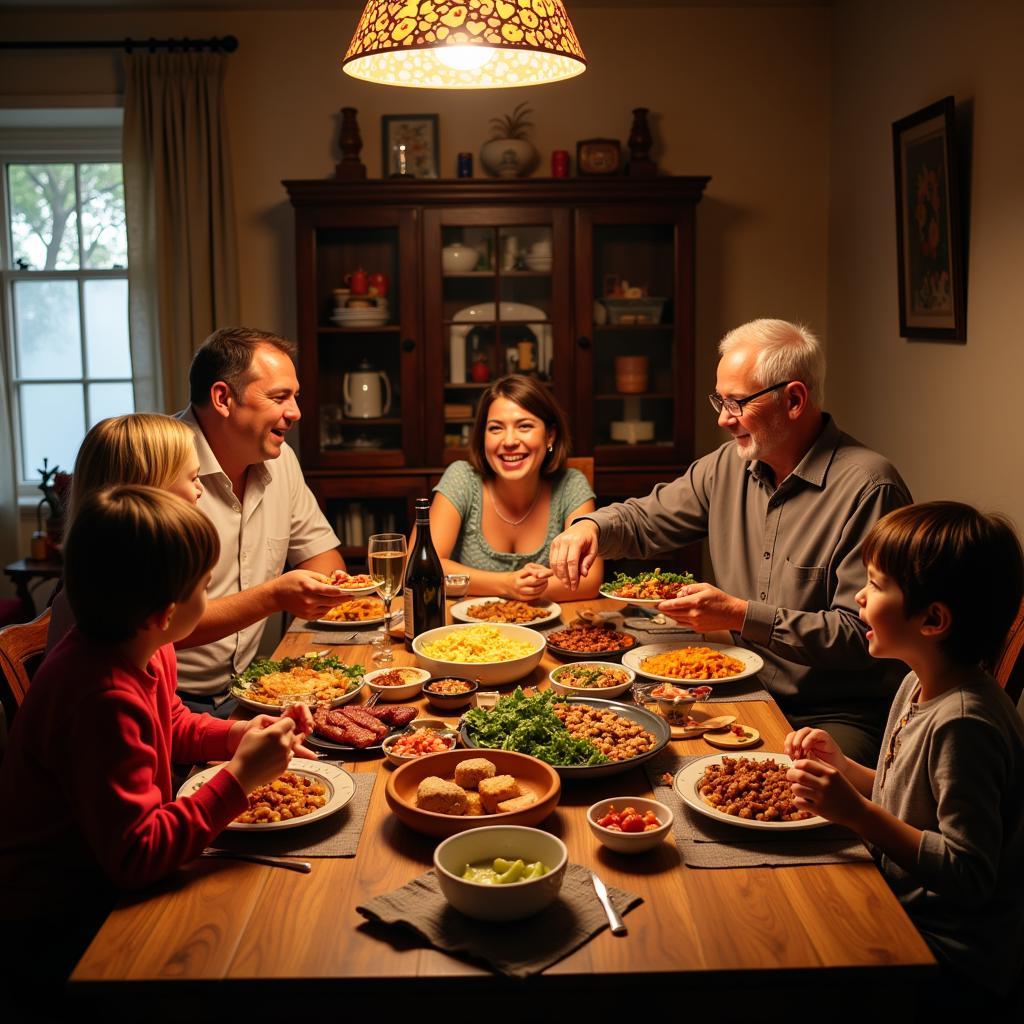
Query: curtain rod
219,44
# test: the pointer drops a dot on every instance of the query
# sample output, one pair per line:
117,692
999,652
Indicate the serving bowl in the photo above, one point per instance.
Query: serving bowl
394,694
444,730
488,673
450,701
533,776
607,692
629,842
510,902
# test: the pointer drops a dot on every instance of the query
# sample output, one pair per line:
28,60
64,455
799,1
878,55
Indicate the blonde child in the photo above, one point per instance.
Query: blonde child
942,811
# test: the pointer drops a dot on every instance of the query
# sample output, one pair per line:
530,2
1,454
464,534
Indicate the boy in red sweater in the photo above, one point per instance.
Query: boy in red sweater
86,796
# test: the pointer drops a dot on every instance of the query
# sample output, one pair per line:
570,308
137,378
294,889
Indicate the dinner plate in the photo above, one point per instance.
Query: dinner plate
320,743
640,602
753,663
340,786
566,655
370,588
376,620
658,727
265,708
552,611
687,778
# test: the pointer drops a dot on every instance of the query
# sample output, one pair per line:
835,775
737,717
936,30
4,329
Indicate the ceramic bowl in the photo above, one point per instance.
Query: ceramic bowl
500,902
488,673
450,701
607,692
629,842
395,694
442,729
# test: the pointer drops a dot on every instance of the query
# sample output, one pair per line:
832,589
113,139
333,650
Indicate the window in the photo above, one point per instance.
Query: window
65,291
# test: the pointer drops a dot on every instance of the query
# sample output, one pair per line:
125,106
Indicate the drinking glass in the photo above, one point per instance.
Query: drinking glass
385,555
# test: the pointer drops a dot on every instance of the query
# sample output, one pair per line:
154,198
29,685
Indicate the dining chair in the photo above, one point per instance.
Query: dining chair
22,647
585,464
1009,670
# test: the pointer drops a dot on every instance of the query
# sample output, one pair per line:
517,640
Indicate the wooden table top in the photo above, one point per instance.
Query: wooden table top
232,920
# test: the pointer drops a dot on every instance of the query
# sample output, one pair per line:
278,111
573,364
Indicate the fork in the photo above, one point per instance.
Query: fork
302,866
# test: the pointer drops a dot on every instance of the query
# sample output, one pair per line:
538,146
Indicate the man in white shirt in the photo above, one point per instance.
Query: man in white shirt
243,391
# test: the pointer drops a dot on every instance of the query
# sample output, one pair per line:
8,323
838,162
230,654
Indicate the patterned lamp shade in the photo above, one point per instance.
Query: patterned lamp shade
472,44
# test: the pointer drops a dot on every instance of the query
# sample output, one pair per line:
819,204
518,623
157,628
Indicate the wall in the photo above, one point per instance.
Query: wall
946,414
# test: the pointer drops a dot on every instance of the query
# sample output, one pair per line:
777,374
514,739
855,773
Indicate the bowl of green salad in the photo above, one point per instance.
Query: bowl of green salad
501,872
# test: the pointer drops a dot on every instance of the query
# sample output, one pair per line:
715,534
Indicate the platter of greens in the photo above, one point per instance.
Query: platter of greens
532,724
315,678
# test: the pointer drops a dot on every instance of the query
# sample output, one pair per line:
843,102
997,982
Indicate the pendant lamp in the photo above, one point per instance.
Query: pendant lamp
471,44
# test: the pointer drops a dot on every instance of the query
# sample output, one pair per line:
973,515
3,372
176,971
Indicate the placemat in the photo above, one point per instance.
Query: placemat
514,948
337,835
706,843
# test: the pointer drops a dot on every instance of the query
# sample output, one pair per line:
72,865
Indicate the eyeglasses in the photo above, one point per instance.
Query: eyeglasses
734,406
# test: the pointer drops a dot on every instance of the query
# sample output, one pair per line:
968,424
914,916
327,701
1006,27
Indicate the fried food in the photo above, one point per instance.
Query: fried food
693,663
440,796
747,788
471,772
290,796
506,611
359,609
616,737
497,790
586,639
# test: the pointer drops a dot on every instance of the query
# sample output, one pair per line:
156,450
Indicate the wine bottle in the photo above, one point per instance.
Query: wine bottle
424,580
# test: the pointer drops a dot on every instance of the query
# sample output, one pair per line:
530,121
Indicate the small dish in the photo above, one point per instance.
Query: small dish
444,731
729,739
456,584
607,692
629,842
396,693
450,701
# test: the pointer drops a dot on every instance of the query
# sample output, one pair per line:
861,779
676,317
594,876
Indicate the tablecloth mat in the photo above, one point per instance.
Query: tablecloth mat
705,843
514,948
337,835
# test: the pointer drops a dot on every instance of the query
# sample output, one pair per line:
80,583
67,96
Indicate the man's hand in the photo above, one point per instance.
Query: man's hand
573,552
302,593
704,608
824,790
529,582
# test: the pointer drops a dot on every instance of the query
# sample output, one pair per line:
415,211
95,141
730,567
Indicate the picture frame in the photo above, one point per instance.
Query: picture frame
419,133
930,257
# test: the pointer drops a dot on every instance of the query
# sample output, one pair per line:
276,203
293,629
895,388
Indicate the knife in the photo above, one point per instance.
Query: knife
302,866
614,918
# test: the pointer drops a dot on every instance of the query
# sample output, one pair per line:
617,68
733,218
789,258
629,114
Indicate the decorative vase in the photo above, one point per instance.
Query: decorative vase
508,158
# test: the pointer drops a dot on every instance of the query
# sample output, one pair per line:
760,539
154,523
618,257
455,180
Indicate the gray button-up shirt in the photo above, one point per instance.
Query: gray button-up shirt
792,551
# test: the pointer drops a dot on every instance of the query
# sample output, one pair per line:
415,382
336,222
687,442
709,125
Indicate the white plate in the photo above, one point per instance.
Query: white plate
269,709
640,602
459,611
370,588
685,785
347,623
753,662
341,787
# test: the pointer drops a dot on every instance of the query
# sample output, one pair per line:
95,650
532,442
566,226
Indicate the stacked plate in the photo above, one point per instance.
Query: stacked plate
361,316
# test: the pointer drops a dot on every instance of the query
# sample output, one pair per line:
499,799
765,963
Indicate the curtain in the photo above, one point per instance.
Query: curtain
182,251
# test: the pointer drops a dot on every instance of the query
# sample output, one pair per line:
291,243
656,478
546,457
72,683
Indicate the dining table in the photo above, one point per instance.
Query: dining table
734,941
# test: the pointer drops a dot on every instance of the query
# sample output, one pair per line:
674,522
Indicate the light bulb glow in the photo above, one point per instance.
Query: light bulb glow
464,58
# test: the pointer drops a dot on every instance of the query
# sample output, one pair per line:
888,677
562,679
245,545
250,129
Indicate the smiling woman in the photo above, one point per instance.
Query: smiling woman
495,516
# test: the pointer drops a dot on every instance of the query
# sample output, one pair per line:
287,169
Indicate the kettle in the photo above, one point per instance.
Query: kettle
367,392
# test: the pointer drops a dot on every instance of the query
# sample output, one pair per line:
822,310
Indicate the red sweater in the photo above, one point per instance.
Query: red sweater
85,786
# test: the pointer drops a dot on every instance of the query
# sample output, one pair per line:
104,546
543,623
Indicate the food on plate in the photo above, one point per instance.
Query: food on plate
501,871
277,683
649,586
420,742
747,788
474,807
477,644
358,609
358,582
397,677
506,611
629,819
471,772
495,790
360,727
517,803
591,678
616,737
693,663
588,639
669,691
290,796
741,731
530,725
449,687
440,796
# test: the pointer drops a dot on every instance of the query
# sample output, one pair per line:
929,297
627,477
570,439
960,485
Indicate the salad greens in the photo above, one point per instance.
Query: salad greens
621,579
530,726
325,662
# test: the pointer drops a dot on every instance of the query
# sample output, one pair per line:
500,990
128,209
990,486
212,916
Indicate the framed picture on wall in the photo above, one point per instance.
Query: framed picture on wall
932,282
410,146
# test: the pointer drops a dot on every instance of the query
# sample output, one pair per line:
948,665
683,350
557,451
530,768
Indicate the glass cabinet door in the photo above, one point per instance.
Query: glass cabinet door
358,334
635,345
496,302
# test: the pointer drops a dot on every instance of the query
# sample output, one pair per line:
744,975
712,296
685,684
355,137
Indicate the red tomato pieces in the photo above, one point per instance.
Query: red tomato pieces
629,819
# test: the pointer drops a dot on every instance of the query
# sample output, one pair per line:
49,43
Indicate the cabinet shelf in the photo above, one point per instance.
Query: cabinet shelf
380,329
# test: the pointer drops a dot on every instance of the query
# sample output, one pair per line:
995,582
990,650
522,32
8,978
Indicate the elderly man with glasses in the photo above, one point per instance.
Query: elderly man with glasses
784,521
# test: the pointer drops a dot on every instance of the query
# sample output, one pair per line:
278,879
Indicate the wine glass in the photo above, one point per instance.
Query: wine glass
385,555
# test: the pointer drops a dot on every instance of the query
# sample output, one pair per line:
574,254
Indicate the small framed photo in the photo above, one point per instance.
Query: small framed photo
410,147
932,282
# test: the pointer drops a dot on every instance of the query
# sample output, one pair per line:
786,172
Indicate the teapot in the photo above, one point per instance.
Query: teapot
367,392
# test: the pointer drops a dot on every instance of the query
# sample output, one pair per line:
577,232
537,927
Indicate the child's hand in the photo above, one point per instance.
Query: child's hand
822,789
300,715
263,753
816,744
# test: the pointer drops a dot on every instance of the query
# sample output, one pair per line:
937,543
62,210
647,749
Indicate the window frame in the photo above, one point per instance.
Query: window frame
84,143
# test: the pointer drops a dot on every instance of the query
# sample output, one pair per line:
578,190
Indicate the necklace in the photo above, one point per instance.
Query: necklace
512,522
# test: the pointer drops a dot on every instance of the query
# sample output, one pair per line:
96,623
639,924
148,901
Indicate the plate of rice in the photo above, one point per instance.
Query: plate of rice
491,653
697,662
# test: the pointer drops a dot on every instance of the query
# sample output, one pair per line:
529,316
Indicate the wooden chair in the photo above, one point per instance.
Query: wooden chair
585,464
1009,670
22,647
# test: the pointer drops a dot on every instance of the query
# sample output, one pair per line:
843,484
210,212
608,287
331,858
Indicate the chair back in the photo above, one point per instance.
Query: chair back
1009,670
585,464
22,647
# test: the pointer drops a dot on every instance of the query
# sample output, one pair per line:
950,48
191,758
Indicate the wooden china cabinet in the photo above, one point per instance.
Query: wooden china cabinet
473,279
